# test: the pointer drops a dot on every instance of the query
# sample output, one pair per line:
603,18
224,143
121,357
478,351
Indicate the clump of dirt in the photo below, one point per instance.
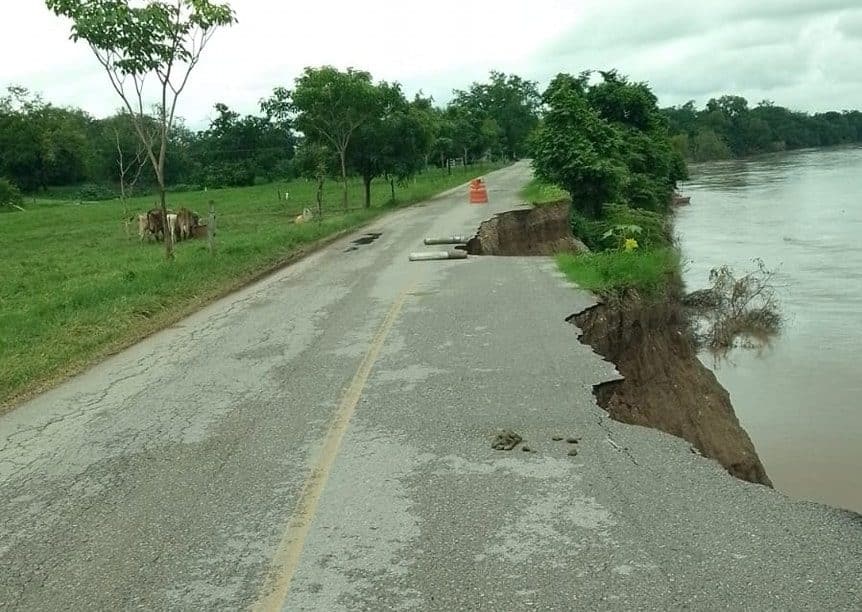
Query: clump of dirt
506,440
544,230
665,386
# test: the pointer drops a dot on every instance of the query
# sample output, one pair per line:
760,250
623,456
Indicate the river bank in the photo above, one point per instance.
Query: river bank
641,327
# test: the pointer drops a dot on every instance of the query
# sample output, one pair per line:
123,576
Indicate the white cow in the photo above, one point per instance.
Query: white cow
172,226
143,227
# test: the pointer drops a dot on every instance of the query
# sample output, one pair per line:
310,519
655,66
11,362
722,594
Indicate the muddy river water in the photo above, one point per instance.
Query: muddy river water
800,399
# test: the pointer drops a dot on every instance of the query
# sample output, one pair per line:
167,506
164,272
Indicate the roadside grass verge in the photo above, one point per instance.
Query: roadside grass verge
614,273
75,287
539,193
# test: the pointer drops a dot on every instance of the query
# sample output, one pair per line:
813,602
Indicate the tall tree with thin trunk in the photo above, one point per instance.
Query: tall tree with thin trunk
129,171
332,105
136,40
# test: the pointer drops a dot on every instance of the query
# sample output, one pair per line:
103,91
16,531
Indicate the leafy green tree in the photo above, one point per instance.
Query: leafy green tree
653,165
331,105
496,116
394,144
409,142
578,150
159,39
41,144
236,149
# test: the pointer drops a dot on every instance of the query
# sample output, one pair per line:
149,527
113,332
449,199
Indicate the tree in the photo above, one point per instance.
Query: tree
129,169
331,105
317,162
394,144
576,149
41,144
496,116
160,38
411,137
653,165
236,149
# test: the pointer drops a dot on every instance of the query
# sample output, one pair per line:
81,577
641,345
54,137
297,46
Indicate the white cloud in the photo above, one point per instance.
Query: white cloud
806,54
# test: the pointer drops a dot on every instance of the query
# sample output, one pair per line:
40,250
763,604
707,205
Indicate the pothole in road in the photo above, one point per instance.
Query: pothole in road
362,241
544,230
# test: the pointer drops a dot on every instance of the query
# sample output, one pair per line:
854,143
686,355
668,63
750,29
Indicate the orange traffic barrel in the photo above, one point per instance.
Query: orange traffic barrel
478,192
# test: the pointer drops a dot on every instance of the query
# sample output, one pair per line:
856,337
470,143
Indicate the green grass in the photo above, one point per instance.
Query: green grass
75,287
538,193
612,273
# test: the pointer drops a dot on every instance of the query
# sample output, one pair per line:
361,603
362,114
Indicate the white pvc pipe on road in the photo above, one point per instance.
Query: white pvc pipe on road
448,240
435,255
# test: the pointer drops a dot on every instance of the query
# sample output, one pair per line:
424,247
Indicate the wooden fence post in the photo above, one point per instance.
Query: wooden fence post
211,227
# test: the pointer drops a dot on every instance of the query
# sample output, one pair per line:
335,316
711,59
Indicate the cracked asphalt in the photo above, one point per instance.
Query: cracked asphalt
322,441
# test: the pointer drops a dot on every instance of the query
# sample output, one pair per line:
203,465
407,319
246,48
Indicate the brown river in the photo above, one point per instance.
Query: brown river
800,399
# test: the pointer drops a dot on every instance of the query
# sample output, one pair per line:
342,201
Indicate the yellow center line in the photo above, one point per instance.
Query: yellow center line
286,559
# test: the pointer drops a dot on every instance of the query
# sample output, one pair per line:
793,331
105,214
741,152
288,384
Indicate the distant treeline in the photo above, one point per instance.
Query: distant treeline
728,128
43,145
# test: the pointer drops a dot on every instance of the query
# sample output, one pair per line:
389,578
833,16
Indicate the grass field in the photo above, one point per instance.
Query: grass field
74,287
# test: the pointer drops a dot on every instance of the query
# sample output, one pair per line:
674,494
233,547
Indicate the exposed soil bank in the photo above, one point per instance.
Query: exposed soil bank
531,231
666,387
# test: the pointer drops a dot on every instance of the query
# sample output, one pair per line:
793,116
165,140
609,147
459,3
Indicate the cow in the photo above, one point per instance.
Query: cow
172,226
185,223
156,223
143,227
306,215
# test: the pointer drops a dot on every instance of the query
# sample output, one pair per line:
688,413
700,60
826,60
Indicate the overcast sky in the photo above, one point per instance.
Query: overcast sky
806,54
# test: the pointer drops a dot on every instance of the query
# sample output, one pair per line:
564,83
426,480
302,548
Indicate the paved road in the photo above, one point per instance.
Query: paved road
322,441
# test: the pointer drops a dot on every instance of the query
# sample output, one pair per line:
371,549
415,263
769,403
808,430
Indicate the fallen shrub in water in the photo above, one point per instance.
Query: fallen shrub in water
736,311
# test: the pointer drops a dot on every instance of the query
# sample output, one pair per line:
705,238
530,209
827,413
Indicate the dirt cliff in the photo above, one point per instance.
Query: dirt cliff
666,387
544,230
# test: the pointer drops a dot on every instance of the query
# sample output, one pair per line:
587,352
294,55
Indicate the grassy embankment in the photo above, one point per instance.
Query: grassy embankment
610,271
75,287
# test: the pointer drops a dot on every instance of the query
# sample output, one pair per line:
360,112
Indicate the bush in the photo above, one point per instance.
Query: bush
10,195
92,192
238,174
655,228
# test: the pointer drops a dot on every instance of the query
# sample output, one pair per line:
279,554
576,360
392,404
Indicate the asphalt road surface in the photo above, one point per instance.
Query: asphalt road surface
322,441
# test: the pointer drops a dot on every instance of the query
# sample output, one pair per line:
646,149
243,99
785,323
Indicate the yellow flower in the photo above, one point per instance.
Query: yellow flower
630,245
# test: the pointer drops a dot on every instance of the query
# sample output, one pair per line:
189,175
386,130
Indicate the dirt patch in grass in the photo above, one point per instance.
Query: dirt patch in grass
529,231
665,386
